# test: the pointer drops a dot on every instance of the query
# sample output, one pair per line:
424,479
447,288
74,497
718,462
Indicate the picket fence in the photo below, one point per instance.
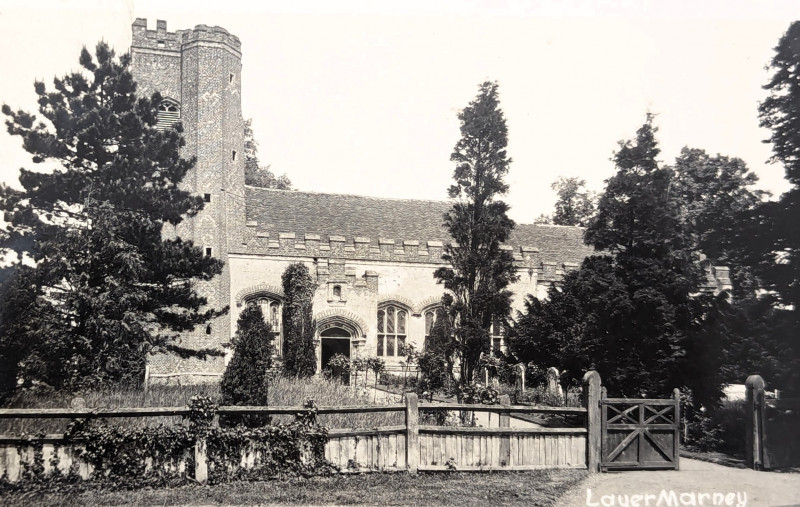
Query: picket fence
408,447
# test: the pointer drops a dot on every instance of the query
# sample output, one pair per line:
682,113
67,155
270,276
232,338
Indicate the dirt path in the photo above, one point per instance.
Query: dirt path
689,485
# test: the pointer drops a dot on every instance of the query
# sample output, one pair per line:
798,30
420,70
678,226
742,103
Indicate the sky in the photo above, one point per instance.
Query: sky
362,97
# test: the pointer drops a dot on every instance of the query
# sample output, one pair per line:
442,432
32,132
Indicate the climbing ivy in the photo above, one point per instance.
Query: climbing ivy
125,457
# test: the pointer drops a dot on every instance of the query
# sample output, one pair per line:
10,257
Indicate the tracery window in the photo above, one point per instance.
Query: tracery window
169,113
497,342
271,308
430,321
392,324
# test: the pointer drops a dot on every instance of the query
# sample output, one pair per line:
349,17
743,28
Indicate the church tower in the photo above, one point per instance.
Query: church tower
198,73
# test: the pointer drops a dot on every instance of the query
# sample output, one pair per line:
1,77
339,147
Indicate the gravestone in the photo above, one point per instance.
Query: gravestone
553,387
519,369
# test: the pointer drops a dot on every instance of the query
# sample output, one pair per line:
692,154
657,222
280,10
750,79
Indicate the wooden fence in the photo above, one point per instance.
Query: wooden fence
407,447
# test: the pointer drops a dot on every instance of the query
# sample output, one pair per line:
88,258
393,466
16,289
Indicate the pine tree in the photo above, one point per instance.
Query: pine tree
299,358
480,270
109,288
246,379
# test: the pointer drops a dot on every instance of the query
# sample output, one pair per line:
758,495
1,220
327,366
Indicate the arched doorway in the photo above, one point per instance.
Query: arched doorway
335,340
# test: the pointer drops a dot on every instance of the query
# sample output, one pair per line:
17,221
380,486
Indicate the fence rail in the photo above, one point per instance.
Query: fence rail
409,446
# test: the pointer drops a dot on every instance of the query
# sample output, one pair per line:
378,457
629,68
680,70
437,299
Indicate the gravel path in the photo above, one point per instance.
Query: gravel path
689,485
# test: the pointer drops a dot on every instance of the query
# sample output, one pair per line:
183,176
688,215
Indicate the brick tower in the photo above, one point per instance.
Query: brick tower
198,74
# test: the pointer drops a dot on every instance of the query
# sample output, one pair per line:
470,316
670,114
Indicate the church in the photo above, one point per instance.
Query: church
373,258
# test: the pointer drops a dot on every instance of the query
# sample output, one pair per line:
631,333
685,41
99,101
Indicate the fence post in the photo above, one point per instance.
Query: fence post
754,431
676,395
412,432
591,400
505,440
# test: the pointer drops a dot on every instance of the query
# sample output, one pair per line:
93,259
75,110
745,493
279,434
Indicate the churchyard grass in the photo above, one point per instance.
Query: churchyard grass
539,487
284,391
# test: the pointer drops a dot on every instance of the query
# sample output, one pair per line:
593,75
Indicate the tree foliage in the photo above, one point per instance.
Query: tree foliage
480,270
255,174
299,357
246,379
632,312
777,238
718,205
109,289
575,205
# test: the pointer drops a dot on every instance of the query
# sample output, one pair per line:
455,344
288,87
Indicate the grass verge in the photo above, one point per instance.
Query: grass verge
534,488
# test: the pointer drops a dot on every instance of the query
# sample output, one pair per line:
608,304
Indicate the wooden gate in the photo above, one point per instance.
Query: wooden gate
640,433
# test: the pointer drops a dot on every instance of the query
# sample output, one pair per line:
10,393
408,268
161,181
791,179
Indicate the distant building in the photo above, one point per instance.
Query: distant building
373,258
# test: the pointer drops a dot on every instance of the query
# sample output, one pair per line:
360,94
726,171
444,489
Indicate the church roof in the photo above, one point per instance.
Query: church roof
351,216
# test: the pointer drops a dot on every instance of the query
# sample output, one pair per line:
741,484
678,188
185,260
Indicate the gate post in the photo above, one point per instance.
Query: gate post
676,438
591,400
412,433
754,430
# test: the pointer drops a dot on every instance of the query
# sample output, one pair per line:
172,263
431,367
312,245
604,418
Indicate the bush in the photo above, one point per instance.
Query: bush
246,380
719,430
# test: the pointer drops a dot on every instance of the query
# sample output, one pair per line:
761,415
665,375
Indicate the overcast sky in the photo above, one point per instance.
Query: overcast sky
361,97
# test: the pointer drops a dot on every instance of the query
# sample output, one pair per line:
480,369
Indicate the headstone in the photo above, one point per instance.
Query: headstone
553,387
519,369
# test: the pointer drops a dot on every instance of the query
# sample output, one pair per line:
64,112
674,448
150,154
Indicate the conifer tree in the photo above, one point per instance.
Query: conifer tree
480,271
246,379
776,239
299,357
109,288
634,312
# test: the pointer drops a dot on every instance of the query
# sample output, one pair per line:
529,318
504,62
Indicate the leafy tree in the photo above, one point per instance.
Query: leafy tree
299,357
246,379
718,204
480,271
254,173
109,289
634,312
575,205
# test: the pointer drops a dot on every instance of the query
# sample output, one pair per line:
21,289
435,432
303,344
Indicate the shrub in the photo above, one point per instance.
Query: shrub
720,429
246,380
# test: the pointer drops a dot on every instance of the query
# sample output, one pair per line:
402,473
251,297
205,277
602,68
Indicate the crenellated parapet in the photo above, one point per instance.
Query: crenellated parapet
161,40
289,244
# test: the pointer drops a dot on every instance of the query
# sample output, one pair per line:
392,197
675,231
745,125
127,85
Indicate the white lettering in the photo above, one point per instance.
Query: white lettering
623,500
669,498
589,499
719,498
741,498
701,496
635,499
647,498
688,499
730,498
607,500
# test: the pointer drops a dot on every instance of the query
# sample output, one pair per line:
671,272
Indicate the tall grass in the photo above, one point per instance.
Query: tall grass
284,391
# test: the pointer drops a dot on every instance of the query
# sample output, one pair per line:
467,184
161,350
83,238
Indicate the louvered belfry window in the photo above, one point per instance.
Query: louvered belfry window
169,113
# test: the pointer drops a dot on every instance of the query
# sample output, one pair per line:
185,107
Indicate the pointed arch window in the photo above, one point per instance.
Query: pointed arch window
392,330
169,113
271,308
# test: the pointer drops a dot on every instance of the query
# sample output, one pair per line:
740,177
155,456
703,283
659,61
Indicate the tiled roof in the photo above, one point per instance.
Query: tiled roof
278,211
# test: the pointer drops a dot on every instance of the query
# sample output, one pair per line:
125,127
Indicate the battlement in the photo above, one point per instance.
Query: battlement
162,40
